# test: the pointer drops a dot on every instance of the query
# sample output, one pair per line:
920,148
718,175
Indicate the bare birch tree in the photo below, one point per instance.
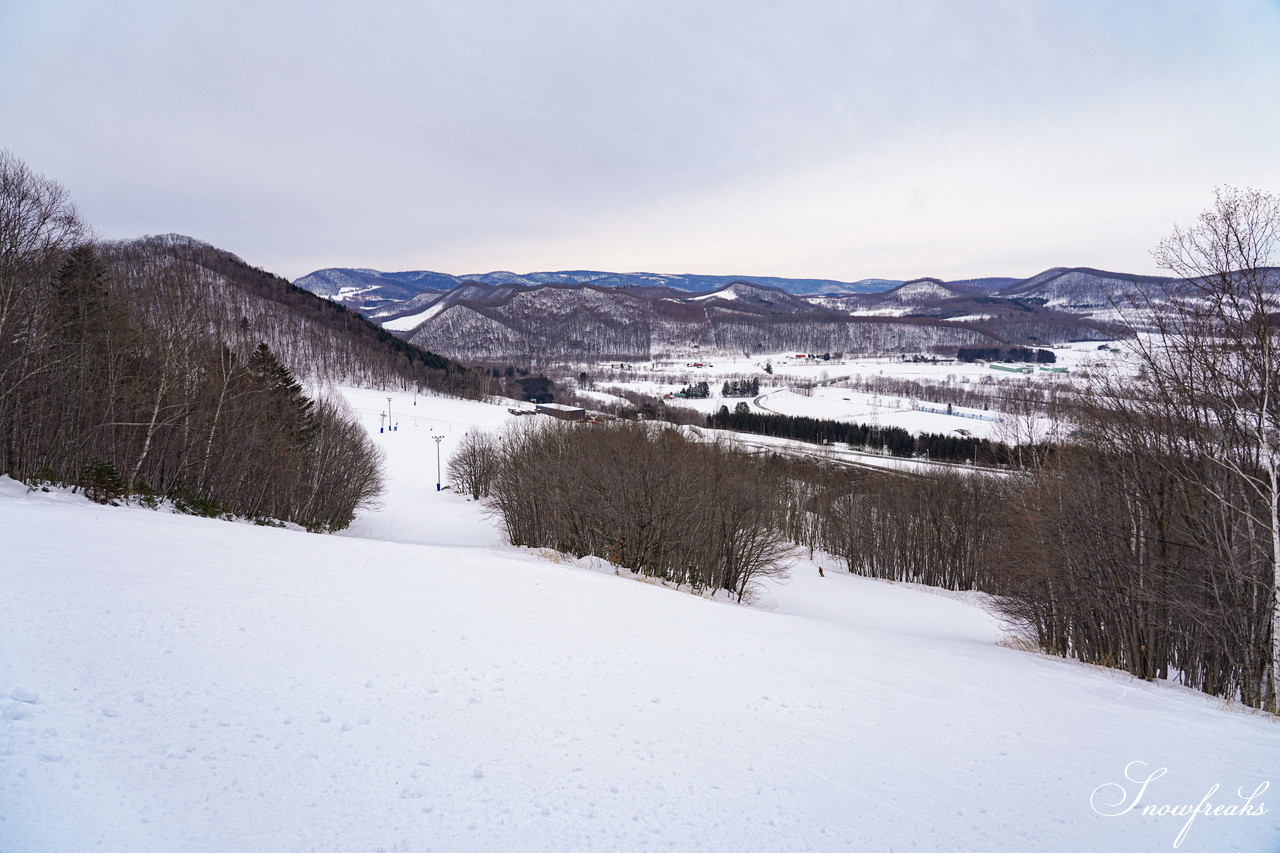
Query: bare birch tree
1211,361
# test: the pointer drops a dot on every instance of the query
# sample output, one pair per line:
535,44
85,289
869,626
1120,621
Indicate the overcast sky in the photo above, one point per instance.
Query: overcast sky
840,139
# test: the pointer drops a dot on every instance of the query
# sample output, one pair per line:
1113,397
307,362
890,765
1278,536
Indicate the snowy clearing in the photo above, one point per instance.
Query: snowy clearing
175,683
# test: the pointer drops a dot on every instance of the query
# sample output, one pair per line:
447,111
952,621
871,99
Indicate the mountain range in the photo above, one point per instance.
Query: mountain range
367,290
590,315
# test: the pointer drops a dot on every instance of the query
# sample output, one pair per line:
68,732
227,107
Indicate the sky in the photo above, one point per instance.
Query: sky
842,139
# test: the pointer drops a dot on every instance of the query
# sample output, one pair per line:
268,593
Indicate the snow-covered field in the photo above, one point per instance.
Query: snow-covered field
172,683
835,401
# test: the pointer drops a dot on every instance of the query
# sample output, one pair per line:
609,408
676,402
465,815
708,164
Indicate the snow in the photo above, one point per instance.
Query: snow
972,318
882,410
413,321
348,292
176,683
726,295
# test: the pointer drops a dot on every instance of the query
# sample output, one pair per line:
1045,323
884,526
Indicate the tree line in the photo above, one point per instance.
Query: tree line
895,441
1024,354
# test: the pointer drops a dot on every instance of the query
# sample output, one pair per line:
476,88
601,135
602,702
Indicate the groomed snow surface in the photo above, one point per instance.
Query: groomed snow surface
169,683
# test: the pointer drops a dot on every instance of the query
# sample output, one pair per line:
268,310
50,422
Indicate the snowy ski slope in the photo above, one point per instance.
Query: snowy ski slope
169,683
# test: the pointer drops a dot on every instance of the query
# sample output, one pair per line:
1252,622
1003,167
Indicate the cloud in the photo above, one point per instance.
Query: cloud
842,139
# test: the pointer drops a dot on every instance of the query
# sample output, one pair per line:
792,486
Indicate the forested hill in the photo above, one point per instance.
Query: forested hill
164,369
179,281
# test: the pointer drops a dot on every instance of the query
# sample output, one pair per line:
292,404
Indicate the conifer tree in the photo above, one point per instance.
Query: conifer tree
293,406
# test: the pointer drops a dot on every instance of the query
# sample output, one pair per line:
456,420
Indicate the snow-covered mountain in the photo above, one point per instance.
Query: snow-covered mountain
493,315
1080,290
542,323
1102,296
370,291
748,296
385,296
171,682
923,289
554,322
367,290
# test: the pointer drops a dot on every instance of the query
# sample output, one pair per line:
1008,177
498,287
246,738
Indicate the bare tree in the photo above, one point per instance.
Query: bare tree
1213,361
38,226
473,465
644,498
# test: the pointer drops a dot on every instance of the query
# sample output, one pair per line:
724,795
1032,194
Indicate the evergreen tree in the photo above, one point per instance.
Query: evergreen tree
293,407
